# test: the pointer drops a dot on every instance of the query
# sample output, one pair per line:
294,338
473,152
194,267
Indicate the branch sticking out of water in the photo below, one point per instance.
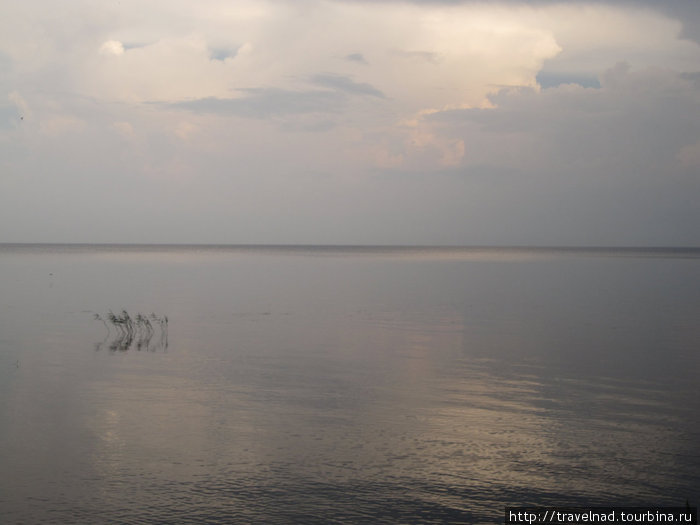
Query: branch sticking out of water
137,331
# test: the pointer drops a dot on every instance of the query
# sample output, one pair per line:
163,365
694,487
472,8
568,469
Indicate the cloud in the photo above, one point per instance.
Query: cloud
547,80
412,55
356,57
642,116
267,102
125,129
186,130
222,53
347,85
20,103
684,11
589,34
339,121
616,162
112,47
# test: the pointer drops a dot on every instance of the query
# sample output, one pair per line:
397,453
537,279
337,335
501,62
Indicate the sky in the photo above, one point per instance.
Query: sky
350,122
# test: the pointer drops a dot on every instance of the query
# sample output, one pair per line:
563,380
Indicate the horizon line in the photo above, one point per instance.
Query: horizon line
355,245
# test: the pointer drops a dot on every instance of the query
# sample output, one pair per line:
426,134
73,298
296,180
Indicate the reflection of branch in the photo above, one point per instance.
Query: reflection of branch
98,317
135,331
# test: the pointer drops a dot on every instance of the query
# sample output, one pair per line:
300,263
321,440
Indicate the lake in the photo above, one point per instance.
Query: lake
298,384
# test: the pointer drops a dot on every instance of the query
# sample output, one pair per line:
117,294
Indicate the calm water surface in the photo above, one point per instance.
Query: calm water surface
345,385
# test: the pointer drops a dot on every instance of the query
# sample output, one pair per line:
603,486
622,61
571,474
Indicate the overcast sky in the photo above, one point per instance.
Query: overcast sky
350,122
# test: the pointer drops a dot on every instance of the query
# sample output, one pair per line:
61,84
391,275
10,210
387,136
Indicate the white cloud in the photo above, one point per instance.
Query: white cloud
469,49
112,47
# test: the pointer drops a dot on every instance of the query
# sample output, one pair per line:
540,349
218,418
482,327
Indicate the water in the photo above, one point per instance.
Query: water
346,385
